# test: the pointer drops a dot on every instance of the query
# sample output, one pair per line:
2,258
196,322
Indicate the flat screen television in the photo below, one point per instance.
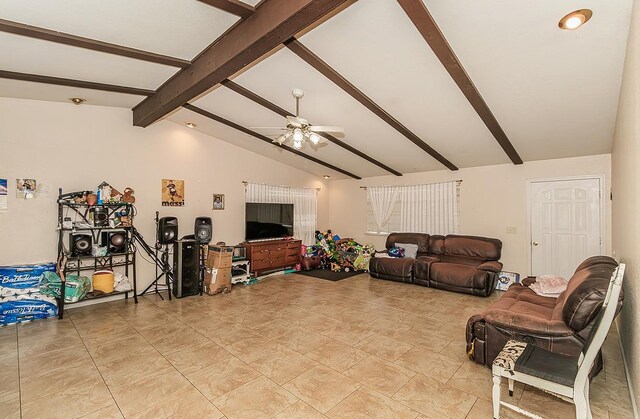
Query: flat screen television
268,221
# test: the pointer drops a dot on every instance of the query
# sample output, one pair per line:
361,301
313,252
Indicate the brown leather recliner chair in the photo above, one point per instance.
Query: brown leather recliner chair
556,324
399,269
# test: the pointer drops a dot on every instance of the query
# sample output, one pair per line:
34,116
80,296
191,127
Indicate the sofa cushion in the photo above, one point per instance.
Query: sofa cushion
436,245
472,247
523,310
585,294
452,273
422,240
388,267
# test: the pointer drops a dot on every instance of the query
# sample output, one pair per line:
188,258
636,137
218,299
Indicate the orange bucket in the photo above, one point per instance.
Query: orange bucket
103,281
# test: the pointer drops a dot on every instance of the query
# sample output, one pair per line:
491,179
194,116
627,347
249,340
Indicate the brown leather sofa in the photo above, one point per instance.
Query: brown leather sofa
555,324
466,264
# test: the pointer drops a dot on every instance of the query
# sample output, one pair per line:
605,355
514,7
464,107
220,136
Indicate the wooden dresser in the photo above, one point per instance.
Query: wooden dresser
273,255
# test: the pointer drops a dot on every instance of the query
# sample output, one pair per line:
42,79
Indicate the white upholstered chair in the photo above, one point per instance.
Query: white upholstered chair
562,375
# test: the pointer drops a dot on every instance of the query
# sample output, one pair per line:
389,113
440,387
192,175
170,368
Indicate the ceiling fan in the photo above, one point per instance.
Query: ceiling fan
298,130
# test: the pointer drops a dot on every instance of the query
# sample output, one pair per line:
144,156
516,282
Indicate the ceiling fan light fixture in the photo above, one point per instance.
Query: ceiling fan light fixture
298,136
314,138
575,19
297,144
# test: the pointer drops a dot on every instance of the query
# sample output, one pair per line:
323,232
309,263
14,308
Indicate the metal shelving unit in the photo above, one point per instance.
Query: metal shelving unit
78,264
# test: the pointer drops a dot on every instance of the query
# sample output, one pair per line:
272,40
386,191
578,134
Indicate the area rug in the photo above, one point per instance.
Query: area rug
329,274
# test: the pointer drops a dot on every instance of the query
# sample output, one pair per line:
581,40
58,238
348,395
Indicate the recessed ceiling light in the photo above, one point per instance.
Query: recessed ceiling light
326,176
190,124
77,100
575,19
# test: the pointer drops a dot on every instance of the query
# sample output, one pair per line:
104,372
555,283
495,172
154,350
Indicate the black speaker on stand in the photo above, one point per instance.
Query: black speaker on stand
186,268
203,233
167,230
166,233
203,230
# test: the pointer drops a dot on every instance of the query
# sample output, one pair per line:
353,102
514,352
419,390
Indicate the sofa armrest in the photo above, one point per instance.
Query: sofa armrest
491,266
526,324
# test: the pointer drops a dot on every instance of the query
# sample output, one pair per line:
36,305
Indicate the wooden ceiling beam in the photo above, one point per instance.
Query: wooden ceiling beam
74,83
328,71
428,28
235,7
272,23
266,139
87,43
283,112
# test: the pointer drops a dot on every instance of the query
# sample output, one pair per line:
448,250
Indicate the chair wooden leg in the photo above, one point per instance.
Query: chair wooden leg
582,405
586,397
511,381
496,396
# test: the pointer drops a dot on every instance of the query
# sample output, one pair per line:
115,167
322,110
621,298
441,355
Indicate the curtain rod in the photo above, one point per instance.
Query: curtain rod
458,181
282,186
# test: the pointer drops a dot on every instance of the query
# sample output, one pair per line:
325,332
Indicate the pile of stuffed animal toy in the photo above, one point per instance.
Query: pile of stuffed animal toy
339,255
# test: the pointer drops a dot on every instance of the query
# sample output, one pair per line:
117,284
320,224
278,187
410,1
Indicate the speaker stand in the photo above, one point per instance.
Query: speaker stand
160,255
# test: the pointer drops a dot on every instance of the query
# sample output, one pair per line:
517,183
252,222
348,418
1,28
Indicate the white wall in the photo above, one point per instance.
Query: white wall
77,147
626,200
492,198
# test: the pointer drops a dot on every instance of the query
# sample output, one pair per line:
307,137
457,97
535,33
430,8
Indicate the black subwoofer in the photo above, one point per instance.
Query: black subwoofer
115,241
167,230
80,244
186,268
203,230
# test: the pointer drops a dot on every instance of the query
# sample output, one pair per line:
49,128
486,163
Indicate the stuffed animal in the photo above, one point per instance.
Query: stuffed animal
128,196
364,257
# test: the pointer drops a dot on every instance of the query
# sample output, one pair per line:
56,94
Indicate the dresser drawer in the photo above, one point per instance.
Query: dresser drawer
261,264
292,260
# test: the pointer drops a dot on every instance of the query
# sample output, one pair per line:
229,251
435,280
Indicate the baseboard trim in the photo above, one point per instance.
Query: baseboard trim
632,393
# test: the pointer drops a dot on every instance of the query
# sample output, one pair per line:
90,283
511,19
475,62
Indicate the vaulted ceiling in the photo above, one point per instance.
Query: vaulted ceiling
418,85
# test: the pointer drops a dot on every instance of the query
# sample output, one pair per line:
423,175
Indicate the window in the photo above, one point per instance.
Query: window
392,225
432,208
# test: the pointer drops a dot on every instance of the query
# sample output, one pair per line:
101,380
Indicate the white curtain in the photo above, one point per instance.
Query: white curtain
383,200
305,206
431,208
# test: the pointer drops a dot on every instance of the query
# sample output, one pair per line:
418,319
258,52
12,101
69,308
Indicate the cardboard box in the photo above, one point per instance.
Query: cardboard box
221,249
219,260
217,280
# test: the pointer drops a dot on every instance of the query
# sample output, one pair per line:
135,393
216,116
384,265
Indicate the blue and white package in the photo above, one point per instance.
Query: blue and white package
21,277
26,310
20,297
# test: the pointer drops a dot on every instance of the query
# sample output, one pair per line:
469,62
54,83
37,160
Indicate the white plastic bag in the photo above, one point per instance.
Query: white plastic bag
121,283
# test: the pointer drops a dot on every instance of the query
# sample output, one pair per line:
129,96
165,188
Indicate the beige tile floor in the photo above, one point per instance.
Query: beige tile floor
287,347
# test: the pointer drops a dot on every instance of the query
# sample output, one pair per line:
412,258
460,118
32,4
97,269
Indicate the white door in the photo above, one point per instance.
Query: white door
565,225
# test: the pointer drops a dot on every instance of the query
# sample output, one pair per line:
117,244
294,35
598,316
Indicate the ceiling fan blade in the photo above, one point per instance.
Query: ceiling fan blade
335,131
268,128
319,145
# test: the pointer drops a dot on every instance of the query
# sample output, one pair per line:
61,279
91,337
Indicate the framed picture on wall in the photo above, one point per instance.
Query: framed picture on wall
218,201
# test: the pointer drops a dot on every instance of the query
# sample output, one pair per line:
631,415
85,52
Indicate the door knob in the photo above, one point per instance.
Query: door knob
534,243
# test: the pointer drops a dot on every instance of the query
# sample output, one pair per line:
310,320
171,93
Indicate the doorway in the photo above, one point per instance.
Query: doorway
565,220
